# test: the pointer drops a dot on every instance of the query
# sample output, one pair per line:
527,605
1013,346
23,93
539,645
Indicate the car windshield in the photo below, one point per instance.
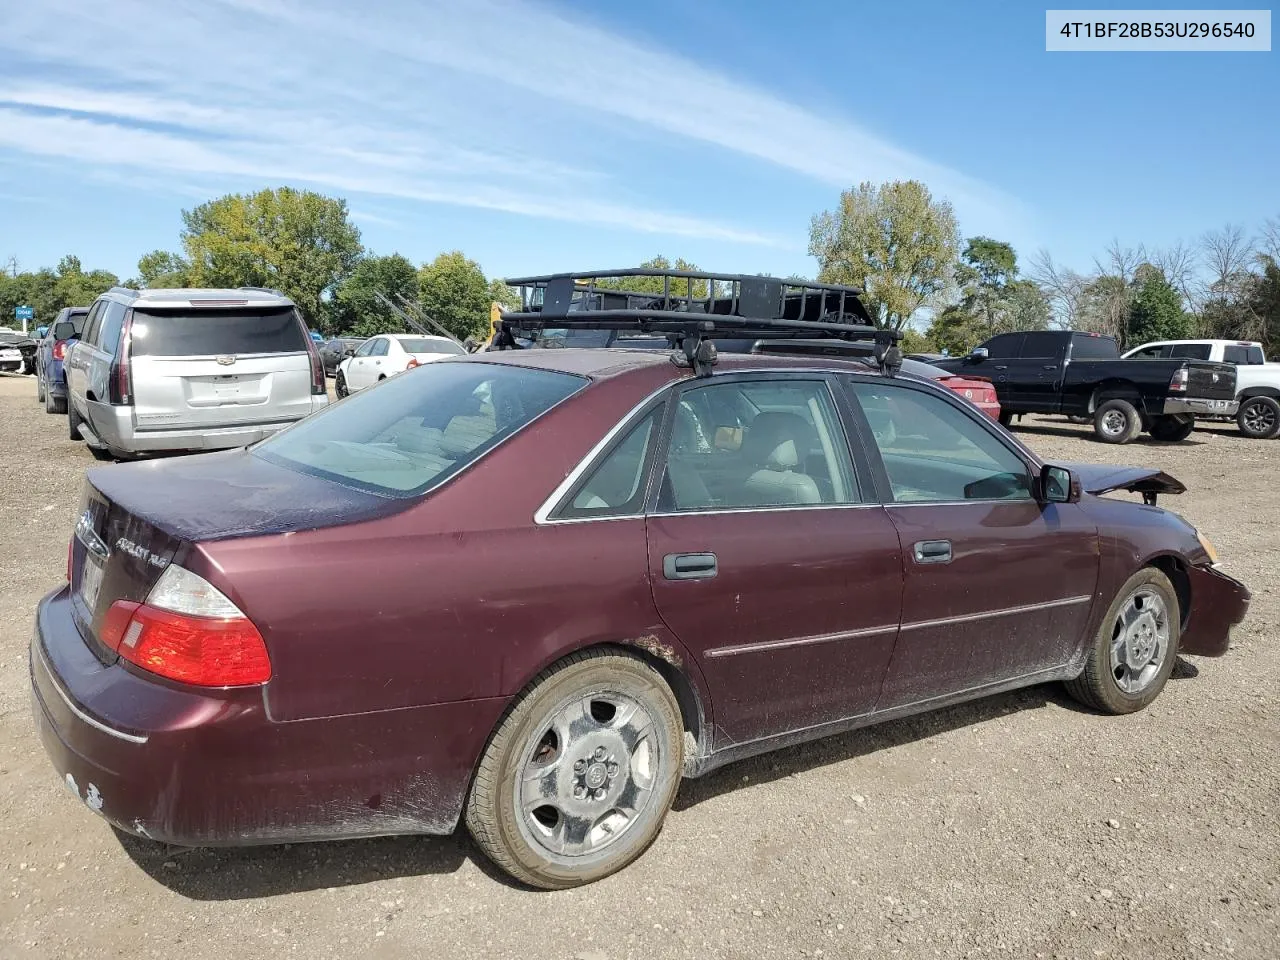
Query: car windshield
426,345
207,333
413,432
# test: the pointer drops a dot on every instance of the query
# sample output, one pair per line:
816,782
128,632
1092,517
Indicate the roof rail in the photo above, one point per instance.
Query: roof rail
121,288
694,308
263,290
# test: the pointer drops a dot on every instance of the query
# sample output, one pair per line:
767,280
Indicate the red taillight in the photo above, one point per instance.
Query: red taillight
120,390
413,362
60,350
318,387
1179,382
202,651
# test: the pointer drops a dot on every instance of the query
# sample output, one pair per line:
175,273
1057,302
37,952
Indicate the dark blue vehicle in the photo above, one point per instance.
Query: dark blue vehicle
51,349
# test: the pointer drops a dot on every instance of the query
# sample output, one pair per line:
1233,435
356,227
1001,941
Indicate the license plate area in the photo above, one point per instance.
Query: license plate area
90,584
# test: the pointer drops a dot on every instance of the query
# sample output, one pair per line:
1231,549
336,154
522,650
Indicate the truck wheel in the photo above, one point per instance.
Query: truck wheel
1259,418
73,421
1116,421
1134,650
1172,428
578,777
39,389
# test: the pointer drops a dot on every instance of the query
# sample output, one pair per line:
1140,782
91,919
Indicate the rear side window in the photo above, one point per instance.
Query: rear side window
414,433
1151,353
1190,351
615,488
112,325
1042,346
211,333
1245,355
93,322
1093,348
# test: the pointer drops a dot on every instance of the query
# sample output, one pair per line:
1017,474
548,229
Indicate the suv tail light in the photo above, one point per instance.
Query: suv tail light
188,631
318,387
120,389
60,350
1179,382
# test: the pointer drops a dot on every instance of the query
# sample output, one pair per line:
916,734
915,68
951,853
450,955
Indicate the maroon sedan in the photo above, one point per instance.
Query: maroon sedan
534,589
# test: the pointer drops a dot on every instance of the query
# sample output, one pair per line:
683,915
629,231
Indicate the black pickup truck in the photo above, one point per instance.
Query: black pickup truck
1082,375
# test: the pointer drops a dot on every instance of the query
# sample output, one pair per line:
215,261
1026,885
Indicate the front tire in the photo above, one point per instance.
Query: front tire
340,385
1116,421
1134,650
1173,428
577,780
1259,418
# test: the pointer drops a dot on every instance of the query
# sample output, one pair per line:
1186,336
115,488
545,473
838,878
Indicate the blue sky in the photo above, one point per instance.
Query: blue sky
573,135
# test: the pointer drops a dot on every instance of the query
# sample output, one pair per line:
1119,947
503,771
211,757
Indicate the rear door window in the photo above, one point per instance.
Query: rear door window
1086,347
380,348
414,433
1246,355
1042,346
1191,351
93,322
212,333
615,487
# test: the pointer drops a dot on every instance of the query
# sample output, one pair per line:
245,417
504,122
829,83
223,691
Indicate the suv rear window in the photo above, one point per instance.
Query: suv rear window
409,434
211,333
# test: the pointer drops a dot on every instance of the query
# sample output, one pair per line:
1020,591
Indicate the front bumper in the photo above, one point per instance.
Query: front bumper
210,768
1201,407
1218,603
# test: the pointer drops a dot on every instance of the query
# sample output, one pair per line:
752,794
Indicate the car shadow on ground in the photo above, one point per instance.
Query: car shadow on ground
247,873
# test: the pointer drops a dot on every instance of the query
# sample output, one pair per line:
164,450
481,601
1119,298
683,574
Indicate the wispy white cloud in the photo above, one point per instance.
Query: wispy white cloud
424,102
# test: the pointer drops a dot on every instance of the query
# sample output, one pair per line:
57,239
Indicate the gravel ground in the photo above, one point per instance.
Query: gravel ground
1019,826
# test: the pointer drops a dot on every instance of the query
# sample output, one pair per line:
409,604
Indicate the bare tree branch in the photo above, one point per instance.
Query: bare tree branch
1180,266
1227,253
1063,287
1269,239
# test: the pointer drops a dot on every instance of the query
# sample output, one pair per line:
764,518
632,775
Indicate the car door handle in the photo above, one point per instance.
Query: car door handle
1002,366
933,551
689,566
1051,366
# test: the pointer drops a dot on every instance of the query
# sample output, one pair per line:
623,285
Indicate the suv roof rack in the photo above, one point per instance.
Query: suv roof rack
712,306
272,290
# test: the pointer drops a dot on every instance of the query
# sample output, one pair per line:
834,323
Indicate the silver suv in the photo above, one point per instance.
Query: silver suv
190,370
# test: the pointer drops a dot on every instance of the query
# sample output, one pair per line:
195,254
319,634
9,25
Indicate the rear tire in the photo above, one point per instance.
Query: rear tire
340,385
1116,421
54,404
40,391
577,780
1172,428
1259,418
73,421
1135,648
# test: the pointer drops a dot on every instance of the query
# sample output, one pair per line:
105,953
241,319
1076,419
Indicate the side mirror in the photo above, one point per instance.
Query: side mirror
977,354
1059,485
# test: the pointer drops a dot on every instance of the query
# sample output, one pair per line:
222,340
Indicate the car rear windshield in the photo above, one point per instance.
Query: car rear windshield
217,332
414,431
423,345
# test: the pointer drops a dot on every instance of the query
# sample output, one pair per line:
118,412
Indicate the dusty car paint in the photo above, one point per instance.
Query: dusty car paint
399,633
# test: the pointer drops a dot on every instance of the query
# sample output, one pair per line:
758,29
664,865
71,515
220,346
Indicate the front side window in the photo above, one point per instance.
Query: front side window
414,433
1004,346
1150,353
756,443
934,452
217,332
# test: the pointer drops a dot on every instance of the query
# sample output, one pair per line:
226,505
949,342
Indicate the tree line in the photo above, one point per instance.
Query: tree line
895,241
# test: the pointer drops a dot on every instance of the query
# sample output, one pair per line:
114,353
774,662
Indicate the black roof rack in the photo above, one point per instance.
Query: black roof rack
693,309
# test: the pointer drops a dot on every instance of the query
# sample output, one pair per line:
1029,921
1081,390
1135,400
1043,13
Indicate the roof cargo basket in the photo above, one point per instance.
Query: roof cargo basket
693,308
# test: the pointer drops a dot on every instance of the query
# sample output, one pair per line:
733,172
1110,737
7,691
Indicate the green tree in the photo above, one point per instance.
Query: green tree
1156,310
454,292
356,311
161,269
499,292
297,241
48,291
894,241
986,271
679,285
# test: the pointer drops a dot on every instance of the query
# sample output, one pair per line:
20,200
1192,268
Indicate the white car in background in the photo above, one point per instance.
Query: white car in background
1257,379
388,354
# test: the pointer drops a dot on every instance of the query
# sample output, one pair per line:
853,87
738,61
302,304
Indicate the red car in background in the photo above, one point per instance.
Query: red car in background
530,590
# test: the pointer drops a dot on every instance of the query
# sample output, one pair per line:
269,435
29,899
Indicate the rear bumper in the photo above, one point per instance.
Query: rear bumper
114,426
1201,407
205,768
1218,603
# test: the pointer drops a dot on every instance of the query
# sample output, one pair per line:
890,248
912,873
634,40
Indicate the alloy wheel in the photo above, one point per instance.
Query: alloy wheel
1139,641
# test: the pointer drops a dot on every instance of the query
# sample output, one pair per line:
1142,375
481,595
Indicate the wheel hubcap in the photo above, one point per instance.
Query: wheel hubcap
1259,417
1113,422
588,774
1139,641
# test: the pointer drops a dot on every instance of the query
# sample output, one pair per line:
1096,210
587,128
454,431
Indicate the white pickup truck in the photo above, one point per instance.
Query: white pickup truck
1257,380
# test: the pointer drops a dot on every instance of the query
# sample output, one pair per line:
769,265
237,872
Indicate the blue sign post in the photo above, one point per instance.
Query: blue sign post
24,314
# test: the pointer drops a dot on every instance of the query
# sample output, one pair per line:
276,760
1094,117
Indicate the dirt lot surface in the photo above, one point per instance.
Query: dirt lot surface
1019,826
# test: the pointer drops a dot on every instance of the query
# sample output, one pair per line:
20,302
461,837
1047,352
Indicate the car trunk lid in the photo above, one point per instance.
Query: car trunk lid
201,367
